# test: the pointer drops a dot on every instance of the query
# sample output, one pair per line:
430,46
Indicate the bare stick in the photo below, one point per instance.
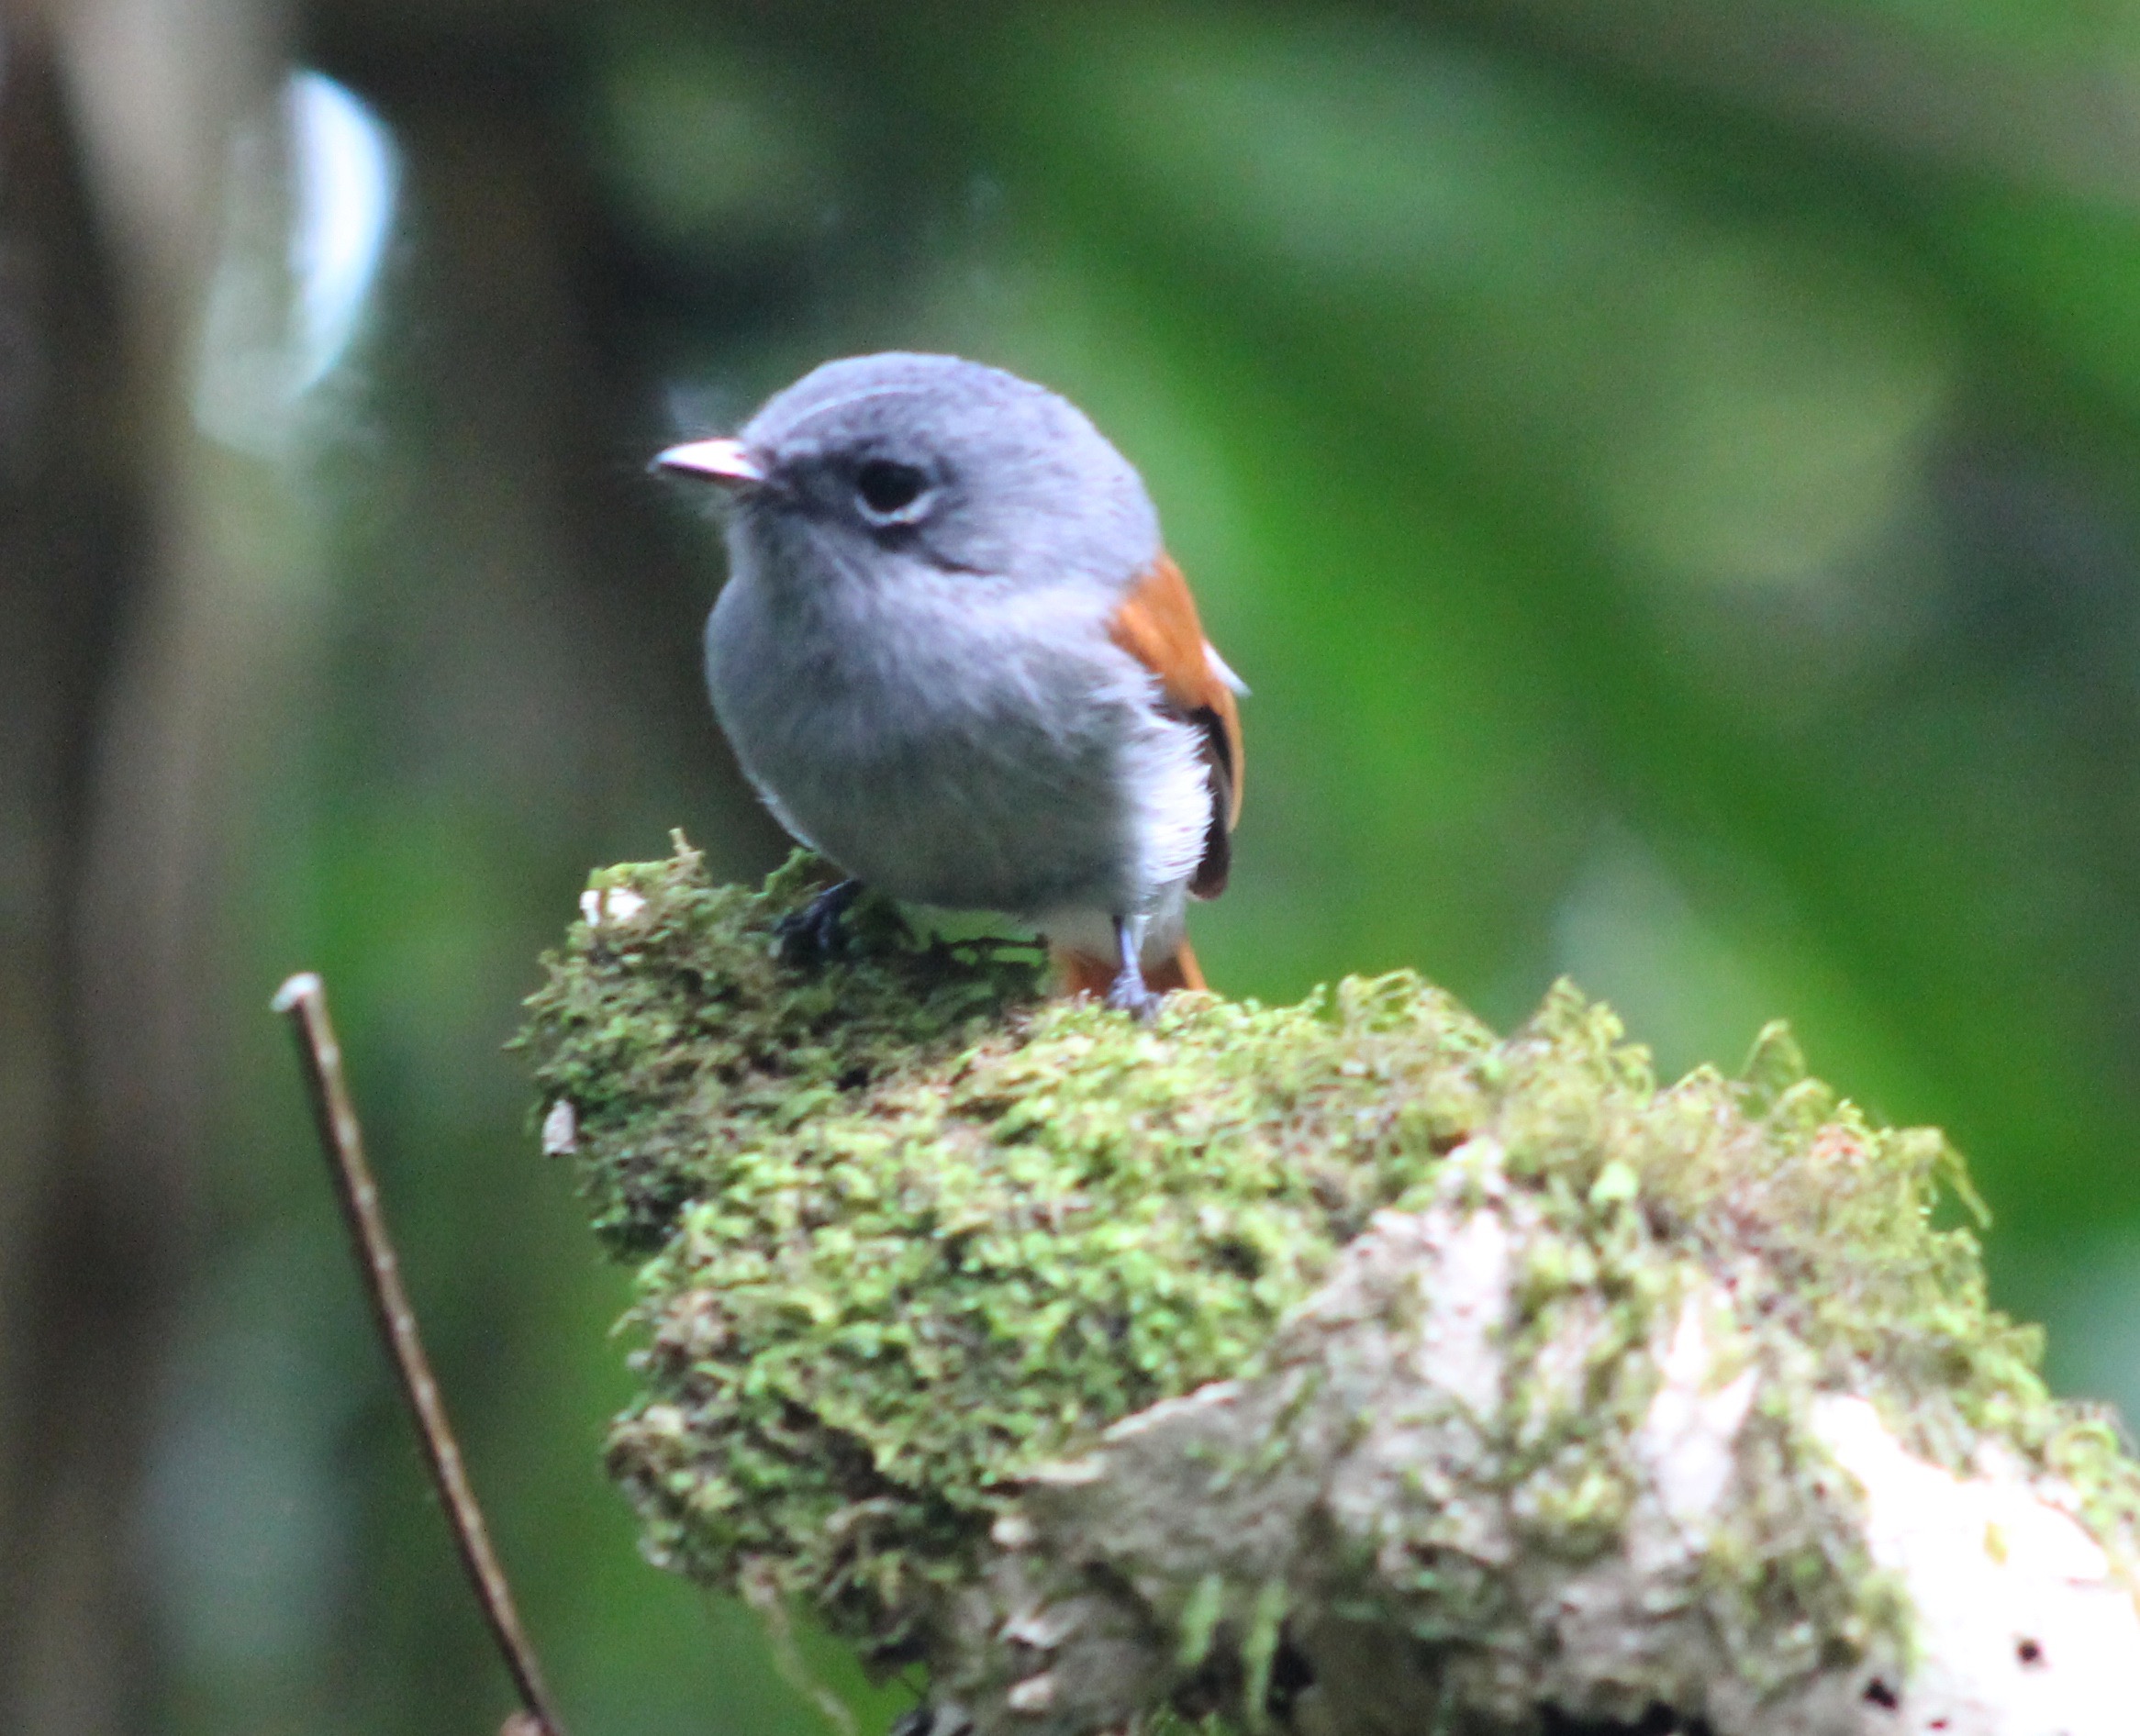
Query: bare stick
304,999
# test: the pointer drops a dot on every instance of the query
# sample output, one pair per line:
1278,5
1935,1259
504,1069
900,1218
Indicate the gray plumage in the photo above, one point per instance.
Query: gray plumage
923,688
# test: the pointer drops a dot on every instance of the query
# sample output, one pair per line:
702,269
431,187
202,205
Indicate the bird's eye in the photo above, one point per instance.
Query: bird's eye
888,490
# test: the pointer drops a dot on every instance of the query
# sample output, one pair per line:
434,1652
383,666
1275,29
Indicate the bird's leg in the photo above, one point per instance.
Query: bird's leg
813,933
1128,993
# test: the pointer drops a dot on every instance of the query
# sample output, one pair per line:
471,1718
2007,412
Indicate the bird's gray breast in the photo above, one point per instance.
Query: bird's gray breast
966,748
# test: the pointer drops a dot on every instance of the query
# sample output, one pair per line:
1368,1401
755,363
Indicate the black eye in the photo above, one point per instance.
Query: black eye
887,489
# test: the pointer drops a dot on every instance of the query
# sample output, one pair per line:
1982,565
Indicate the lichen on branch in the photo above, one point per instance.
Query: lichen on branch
1336,1362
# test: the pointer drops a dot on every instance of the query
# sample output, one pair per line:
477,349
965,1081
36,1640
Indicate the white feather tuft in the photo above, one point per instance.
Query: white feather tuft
1220,668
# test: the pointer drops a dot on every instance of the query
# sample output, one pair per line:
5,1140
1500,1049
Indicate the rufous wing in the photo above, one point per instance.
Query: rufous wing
1157,624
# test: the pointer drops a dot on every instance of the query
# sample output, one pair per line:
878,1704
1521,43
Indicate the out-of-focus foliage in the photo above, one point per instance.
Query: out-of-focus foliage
1669,471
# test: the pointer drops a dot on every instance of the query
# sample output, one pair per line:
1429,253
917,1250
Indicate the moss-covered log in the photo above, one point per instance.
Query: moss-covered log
1338,1363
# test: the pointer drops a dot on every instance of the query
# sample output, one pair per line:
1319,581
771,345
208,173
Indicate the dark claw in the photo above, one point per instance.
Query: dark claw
814,933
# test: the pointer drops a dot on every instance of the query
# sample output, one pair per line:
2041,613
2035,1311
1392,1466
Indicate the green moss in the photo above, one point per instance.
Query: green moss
908,1230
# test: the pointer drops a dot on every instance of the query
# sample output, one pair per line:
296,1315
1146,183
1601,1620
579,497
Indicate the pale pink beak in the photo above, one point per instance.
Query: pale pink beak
726,462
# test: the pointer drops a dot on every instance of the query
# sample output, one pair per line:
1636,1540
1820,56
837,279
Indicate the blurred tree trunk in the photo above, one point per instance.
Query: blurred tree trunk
85,1241
112,121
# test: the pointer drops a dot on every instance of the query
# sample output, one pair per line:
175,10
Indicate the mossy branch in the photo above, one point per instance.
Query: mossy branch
1338,1364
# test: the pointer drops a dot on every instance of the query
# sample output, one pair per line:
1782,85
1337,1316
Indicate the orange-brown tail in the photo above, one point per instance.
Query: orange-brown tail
1082,973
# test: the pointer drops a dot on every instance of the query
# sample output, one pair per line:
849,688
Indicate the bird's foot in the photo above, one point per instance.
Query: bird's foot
815,933
1129,993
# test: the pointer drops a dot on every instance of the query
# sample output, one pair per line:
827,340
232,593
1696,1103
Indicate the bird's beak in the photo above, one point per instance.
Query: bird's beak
726,462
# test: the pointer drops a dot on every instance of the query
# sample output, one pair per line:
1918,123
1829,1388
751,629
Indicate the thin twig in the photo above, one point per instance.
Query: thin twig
304,999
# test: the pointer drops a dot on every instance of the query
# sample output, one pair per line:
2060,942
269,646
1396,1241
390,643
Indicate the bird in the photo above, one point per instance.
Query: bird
954,658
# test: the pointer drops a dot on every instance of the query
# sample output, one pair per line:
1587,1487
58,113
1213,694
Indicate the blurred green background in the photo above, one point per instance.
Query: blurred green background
1668,469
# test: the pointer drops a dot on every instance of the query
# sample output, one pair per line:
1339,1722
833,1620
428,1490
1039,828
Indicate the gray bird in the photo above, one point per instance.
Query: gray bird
954,659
